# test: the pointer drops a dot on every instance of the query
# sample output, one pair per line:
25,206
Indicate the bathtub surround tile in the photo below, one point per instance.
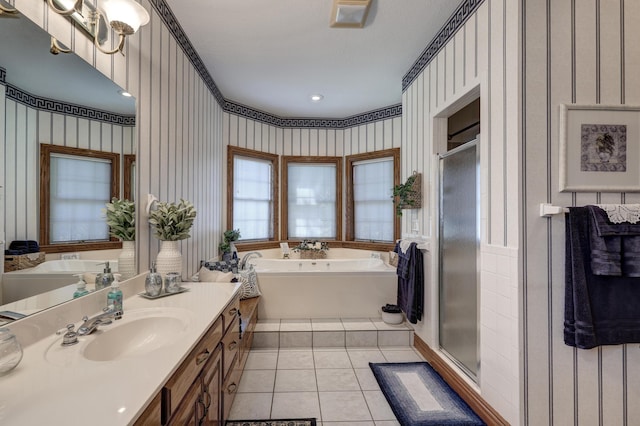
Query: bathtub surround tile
329,339
331,359
295,381
322,324
378,406
267,325
344,406
295,359
295,405
366,379
262,359
361,338
394,338
296,339
257,381
360,324
337,379
266,340
295,325
360,358
381,325
251,406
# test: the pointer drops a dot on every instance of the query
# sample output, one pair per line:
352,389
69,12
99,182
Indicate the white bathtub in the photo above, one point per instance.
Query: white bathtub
324,288
47,276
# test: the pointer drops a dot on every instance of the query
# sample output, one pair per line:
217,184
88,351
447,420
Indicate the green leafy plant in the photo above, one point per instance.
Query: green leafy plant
404,195
121,218
172,221
229,236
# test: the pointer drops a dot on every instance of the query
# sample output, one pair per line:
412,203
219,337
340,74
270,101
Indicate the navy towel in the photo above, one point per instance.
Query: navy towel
410,273
599,309
615,247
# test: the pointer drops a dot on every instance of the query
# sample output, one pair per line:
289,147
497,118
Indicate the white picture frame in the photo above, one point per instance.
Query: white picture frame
599,148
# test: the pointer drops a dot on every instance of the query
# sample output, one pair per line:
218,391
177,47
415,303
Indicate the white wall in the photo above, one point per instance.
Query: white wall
179,125
482,59
584,52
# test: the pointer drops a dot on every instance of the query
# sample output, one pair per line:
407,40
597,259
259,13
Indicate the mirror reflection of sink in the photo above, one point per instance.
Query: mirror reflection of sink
139,332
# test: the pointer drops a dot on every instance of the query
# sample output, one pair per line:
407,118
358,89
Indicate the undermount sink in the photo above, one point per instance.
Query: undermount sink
139,332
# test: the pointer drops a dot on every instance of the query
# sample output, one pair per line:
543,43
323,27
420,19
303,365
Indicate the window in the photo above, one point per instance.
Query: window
252,201
312,197
75,185
370,181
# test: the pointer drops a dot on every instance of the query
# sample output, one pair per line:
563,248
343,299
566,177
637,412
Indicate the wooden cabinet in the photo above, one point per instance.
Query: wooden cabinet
202,389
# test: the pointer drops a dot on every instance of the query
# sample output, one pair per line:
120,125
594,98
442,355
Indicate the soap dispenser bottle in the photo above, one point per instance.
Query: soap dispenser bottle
153,282
81,286
114,297
104,279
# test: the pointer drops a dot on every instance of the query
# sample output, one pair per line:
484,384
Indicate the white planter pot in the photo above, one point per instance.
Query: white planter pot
169,258
127,260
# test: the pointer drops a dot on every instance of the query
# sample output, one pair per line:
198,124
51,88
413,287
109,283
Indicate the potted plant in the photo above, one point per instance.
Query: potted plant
171,222
407,195
121,219
226,246
309,249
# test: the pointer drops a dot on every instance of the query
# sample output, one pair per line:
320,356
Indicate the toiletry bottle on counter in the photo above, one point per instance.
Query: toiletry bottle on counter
104,279
81,286
114,297
153,282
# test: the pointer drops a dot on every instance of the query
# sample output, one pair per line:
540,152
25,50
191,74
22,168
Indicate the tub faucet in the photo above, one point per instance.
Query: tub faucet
246,257
91,324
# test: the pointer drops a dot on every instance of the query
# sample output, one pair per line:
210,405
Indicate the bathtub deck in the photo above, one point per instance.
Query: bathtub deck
338,333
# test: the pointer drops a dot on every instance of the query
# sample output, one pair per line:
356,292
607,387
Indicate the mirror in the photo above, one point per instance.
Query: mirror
54,99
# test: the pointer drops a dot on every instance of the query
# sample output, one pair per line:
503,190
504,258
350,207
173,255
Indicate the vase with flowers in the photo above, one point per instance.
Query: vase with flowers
171,223
121,219
312,249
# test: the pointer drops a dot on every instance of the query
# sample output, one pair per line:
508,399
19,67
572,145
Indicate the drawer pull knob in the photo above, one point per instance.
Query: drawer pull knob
233,311
203,357
233,345
232,388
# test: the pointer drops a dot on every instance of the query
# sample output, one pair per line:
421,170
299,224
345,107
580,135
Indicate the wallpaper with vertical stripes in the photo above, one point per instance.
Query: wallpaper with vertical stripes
583,52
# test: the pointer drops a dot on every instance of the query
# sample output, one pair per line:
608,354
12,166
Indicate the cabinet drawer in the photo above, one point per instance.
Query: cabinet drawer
229,389
177,387
191,409
231,346
231,312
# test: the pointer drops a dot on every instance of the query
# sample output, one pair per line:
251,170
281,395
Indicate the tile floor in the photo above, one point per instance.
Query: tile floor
331,384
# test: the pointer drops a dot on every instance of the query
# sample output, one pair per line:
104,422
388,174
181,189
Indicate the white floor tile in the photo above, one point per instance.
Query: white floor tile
360,324
295,325
394,338
344,406
262,359
295,339
287,405
289,359
251,406
333,339
360,358
266,340
326,325
405,355
331,359
257,381
378,406
267,325
340,379
295,381
366,379
387,423
361,339
347,424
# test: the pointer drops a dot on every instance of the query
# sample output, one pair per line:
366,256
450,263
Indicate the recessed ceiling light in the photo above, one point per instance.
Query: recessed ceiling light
125,93
316,98
349,13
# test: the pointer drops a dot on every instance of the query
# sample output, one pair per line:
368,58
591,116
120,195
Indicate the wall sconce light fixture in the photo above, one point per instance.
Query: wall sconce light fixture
123,16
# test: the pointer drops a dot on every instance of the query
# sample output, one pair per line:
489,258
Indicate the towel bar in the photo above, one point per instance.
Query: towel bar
548,210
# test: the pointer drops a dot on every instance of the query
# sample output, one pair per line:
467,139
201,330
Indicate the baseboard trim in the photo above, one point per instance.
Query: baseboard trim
476,402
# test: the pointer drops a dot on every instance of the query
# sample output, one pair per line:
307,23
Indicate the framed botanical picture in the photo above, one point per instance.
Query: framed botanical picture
599,148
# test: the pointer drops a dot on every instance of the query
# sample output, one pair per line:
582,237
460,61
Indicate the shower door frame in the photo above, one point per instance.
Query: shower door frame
474,143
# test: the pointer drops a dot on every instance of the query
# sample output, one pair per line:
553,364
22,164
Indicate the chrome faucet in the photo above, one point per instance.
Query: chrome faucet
246,257
91,324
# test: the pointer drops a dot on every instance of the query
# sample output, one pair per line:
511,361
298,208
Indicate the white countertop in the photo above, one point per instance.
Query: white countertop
71,390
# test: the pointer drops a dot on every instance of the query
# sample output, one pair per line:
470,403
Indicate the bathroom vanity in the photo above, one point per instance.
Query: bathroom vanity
172,360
